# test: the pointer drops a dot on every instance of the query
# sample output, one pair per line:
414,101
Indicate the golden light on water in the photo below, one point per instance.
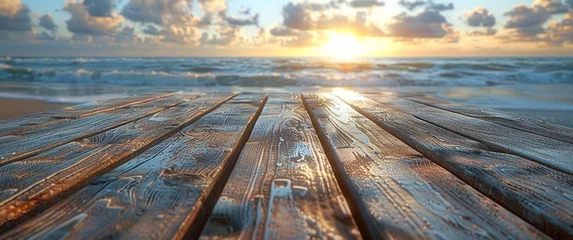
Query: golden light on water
343,45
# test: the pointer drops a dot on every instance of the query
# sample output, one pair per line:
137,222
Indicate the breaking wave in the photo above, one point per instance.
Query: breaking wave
277,72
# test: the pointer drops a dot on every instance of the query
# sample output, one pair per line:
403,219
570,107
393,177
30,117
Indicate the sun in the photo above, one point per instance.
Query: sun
343,45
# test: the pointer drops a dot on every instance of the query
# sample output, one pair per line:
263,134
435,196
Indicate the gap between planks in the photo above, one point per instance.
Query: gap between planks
527,124
533,191
43,119
19,154
392,181
18,208
191,218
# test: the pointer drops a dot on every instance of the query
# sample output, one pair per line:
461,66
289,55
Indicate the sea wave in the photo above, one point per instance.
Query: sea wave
277,72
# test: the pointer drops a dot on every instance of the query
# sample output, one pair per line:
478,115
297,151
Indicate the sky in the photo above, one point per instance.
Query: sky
371,28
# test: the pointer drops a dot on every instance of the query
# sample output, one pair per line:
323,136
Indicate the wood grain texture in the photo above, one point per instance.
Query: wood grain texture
282,186
28,184
37,120
538,194
399,192
550,152
25,144
520,123
160,194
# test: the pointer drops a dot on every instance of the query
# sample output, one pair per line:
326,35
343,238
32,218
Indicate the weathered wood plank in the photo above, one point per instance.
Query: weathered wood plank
520,123
37,120
550,152
28,143
282,185
28,184
539,194
399,192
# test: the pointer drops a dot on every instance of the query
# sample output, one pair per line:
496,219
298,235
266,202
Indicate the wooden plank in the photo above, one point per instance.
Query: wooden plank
37,120
162,193
509,120
538,194
28,143
30,183
398,192
282,185
550,152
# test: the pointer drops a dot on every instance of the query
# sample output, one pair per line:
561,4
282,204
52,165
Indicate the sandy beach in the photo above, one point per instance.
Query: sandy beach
10,108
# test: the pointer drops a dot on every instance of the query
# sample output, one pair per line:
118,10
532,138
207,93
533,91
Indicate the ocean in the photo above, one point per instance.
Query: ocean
538,87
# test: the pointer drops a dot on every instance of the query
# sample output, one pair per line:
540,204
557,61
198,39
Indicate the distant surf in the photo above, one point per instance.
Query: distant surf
288,72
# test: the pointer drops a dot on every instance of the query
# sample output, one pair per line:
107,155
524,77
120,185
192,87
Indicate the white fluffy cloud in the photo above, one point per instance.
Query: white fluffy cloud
83,23
366,3
100,8
311,17
47,22
160,12
412,4
225,36
526,23
480,17
14,16
213,6
559,33
426,24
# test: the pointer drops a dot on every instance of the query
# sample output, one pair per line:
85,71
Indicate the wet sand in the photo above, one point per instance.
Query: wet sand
11,108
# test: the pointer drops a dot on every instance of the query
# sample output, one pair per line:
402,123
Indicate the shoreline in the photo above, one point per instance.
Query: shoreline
12,108
16,107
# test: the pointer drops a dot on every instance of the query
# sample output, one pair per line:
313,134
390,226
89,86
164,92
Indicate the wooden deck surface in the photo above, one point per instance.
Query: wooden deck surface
284,166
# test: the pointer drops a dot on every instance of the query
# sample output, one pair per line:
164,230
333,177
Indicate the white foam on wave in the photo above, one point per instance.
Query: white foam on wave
282,72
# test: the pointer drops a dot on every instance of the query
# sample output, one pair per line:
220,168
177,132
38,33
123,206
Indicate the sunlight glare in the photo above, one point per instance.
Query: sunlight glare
343,45
347,95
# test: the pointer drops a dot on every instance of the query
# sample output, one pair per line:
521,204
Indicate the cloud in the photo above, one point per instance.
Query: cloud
411,5
357,24
452,35
297,16
183,35
552,6
233,21
83,23
205,20
47,22
14,16
480,17
561,32
245,12
44,36
213,6
366,3
303,39
152,30
426,24
160,12
488,31
430,5
526,23
283,32
176,22
225,36
128,35
100,8
527,20
308,17
439,6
